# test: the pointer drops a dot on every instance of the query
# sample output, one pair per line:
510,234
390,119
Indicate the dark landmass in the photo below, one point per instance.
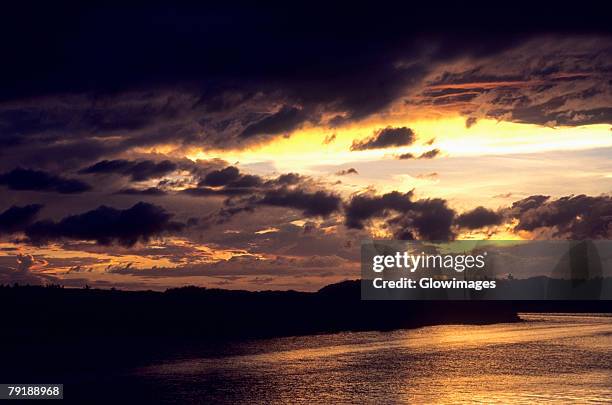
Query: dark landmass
55,334
55,313
88,338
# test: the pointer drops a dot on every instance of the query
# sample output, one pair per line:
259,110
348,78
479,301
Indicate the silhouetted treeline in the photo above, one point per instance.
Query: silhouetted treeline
36,313
56,313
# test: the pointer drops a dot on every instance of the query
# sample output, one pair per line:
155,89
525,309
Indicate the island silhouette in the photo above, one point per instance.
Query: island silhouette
56,313
56,334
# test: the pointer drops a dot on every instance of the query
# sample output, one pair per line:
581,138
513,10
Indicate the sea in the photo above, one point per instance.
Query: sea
545,358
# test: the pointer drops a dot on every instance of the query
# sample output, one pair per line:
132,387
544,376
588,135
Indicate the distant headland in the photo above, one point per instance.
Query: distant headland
54,312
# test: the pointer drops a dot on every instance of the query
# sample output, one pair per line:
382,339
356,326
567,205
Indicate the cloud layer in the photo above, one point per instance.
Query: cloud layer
176,155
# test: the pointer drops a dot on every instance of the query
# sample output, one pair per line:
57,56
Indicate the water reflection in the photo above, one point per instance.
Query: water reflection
548,358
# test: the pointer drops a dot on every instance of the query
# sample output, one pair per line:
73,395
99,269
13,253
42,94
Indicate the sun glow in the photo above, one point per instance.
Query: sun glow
307,148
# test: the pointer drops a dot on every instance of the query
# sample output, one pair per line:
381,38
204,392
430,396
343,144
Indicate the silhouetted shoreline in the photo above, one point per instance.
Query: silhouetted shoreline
48,314
54,313
59,334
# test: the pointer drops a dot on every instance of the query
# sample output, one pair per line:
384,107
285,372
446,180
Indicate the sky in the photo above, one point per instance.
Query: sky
255,147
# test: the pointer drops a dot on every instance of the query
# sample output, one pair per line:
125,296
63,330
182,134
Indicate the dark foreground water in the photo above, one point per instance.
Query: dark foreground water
546,359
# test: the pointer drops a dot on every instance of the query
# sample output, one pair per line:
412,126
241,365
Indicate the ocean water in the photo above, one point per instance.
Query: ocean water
545,359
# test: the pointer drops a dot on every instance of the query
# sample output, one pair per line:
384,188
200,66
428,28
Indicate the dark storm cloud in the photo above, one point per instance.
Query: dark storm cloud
431,175
329,139
70,130
229,181
138,170
528,203
549,83
246,181
573,217
558,109
150,191
56,153
406,156
199,92
479,217
430,154
386,138
428,219
245,193
344,172
285,120
106,225
103,115
37,180
221,177
470,121
222,191
225,214
425,155
364,207
232,77
318,203
258,41
16,218
277,76
289,179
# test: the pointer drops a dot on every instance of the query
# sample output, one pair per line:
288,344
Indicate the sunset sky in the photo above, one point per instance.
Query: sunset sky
248,150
